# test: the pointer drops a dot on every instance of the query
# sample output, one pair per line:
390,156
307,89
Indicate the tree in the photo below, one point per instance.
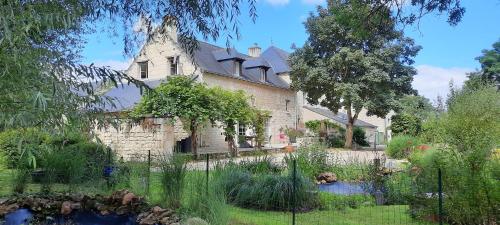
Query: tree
184,98
490,63
43,80
344,66
416,105
233,108
405,123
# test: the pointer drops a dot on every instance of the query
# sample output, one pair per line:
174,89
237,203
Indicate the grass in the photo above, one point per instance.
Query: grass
370,215
387,215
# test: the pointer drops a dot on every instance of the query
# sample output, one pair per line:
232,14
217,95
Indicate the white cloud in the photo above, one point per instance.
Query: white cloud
314,2
432,81
278,2
114,64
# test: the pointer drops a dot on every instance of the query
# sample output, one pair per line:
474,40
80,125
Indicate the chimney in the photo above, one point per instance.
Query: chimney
254,51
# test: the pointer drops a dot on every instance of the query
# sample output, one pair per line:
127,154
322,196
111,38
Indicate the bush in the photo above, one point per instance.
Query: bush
311,160
335,140
401,146
329,201
13,142
359,136
405,124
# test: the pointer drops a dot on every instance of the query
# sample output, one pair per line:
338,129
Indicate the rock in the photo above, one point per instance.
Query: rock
148,220
122,210
104,212
127,198
157,210
76,205
66,208
322,181
195,221
4,209
328,177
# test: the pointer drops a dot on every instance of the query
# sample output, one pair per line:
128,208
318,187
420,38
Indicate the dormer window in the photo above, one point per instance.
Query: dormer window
143,69
263,74
174,65
237,68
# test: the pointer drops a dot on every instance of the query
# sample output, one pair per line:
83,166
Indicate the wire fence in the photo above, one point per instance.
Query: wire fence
265,190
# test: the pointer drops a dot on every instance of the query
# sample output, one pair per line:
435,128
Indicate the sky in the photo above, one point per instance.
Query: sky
448,52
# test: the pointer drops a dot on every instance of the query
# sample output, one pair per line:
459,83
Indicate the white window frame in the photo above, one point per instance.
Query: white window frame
173,61
237,68
140,64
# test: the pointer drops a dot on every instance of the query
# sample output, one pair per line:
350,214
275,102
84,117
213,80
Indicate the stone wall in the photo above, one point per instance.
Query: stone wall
131,141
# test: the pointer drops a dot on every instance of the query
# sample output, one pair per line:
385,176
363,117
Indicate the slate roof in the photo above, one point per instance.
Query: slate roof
126,96
219,61
214,59
339,117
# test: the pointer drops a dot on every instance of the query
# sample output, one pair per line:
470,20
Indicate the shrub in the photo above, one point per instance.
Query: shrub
405,124
13,142
64,166
329,201
401,146
335,140
311,160
359,136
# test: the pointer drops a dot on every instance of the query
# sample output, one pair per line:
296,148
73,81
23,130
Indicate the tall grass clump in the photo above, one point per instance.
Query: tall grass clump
271,191
173,172
208,203
312,159
401,146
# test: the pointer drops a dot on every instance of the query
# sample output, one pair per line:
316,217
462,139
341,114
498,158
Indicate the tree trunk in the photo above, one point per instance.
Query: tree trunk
194,141
232,146
350,127
348,134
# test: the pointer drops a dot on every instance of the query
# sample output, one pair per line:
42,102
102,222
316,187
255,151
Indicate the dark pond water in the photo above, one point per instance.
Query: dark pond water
23,216
344,188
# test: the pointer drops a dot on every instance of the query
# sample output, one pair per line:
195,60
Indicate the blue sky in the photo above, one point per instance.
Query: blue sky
448,52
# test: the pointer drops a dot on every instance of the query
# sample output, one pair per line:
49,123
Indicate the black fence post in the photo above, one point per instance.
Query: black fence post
108,182
149,172
207,172
440,194
294,191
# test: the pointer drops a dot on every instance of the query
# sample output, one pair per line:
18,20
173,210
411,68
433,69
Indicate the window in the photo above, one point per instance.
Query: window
263,74
143,69
242,130
286,104
174,64
237,68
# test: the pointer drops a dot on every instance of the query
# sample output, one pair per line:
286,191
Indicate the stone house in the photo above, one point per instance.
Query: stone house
263,75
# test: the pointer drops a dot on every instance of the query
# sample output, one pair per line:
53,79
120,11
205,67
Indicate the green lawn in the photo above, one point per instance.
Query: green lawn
376,215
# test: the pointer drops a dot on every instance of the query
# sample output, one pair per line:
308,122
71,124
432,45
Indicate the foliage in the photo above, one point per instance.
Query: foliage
469,133
405,124
329,201
314,126
22,143
359,136
293,134
398,188
490,63
347,66
311,160
233,108
401,146
259,122
208,203
260,165
173,172
417,106
43,80
335,140
266,191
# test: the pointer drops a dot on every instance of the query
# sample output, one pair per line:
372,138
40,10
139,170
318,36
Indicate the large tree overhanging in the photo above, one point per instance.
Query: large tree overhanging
43,80
344,66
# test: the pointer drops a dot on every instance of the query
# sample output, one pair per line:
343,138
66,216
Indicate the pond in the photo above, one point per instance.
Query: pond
344,188
23,216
